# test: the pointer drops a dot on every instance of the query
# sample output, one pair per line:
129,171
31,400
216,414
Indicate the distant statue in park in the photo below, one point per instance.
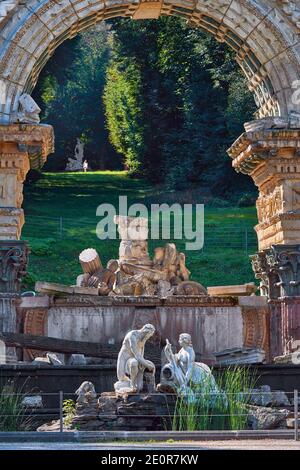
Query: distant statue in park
76,163
131,362
29,111
85,166
182,374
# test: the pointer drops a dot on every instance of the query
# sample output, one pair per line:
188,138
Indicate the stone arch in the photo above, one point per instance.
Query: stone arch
263,33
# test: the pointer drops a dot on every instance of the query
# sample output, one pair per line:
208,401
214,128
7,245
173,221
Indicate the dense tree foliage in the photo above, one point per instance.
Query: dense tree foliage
161,97
175,100
70,94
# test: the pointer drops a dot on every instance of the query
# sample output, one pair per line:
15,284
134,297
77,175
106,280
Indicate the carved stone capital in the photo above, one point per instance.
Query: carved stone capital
278,270
13,264
285,261
263,269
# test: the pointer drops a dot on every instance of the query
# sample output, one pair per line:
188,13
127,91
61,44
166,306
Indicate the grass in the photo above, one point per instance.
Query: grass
60,213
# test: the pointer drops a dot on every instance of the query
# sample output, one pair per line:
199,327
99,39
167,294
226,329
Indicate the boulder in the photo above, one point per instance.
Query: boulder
264,396
34,401
77,360
280,398
134,412
260,417
290,423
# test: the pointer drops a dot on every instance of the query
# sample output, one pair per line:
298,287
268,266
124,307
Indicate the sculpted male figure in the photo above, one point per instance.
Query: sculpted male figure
131,362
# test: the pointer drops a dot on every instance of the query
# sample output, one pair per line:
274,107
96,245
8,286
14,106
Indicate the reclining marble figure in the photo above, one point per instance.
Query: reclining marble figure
131,362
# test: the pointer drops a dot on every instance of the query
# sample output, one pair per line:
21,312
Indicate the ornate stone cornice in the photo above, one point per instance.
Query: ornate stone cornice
172,301
253,148
36,140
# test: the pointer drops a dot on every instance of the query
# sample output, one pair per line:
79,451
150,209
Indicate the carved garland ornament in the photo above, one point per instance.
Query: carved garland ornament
34,324
255,328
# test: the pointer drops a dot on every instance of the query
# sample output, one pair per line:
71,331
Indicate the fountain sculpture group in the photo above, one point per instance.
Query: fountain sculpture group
136,400
180,373
134,273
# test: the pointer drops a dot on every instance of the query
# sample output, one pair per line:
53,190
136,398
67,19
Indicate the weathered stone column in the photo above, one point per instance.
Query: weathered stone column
22,146
270,155
271,158
269,151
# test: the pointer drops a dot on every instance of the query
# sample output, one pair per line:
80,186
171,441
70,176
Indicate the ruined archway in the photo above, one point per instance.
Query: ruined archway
263,33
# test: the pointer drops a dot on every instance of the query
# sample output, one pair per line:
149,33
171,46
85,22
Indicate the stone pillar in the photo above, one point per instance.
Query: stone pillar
284,326
269,152
271,158
22,146
8,322
270,155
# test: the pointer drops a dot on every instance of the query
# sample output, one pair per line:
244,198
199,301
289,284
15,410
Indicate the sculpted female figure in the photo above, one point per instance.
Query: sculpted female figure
182,372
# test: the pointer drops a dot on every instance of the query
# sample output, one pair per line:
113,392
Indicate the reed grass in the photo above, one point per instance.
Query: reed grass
13,416
201,409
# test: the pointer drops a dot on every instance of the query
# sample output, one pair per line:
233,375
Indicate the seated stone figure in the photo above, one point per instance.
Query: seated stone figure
131,362
183,374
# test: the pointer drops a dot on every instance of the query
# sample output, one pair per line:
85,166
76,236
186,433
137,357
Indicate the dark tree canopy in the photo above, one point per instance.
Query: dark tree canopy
70,94
163,98
175,100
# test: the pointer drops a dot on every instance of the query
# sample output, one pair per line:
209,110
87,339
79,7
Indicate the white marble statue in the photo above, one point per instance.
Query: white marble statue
28,111
131,362
182,373
76,163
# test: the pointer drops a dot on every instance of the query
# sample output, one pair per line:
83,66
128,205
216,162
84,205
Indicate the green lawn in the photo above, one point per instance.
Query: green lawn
60,211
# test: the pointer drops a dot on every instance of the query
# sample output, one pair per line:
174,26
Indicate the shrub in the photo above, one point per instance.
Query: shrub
68,411
13,415
40,247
